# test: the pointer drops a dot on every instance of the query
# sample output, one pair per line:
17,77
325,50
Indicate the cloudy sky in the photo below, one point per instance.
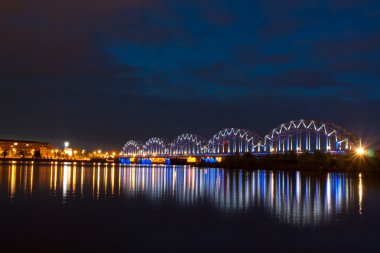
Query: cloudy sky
99,73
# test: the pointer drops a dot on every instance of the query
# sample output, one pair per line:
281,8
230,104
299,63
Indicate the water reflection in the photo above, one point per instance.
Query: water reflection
292,197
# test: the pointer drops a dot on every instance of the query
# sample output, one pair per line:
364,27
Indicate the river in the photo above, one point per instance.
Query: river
75,207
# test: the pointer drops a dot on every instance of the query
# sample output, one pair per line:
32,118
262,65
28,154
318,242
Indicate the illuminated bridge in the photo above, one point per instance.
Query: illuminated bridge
295,136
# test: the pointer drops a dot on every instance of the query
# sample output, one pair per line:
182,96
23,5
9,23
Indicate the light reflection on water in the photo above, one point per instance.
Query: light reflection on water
295,198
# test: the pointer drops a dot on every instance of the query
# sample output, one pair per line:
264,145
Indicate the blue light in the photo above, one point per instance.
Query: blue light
125,160
209,160
167,161
145,161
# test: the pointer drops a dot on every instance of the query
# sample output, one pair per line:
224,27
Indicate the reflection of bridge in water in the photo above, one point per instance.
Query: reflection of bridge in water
295,198
297,136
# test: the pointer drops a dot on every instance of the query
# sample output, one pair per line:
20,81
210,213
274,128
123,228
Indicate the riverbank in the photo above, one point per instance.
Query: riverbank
41,160
301,162
306,161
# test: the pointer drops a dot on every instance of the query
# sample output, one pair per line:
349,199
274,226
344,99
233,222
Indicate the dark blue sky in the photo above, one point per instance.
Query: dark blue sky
101,72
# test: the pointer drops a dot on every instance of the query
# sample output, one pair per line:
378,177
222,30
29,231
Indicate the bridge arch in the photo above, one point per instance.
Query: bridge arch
187,144
156,146
234,140
133,148
309,135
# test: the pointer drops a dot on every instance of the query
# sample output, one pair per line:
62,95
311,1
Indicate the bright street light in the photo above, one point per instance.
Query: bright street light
360,151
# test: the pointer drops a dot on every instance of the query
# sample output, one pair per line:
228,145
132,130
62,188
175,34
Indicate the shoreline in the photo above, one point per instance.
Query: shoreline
36,160
270,164
291,168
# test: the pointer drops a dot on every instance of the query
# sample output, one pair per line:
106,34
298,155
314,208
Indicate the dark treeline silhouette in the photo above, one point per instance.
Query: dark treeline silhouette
305,161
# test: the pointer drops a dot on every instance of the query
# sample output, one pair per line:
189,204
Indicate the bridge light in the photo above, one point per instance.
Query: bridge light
191,159
360,151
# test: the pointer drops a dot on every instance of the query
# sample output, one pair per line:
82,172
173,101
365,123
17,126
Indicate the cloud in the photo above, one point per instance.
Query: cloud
251,55
341,48
46,38
303,78
149,63
365,68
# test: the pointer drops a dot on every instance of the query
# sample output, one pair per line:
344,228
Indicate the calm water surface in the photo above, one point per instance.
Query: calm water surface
112,208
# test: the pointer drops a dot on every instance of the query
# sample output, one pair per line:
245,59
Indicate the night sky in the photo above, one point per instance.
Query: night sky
99,73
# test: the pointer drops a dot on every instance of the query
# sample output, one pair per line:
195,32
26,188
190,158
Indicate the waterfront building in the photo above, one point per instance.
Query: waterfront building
27,149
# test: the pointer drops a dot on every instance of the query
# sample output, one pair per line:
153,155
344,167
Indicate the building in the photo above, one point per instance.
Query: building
27,149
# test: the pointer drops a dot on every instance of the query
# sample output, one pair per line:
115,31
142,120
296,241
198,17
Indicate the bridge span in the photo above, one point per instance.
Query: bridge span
297,136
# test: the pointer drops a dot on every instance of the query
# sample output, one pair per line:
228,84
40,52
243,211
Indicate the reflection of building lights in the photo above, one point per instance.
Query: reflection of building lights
360,194
285,194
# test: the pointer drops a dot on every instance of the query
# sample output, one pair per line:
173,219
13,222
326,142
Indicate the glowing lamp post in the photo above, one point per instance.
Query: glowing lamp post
68,151
360,151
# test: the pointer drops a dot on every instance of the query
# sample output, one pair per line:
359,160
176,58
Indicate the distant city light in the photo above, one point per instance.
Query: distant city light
67,144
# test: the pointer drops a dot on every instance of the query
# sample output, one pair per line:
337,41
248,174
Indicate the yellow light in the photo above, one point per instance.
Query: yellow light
360,151
99,151
191,159
157,160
